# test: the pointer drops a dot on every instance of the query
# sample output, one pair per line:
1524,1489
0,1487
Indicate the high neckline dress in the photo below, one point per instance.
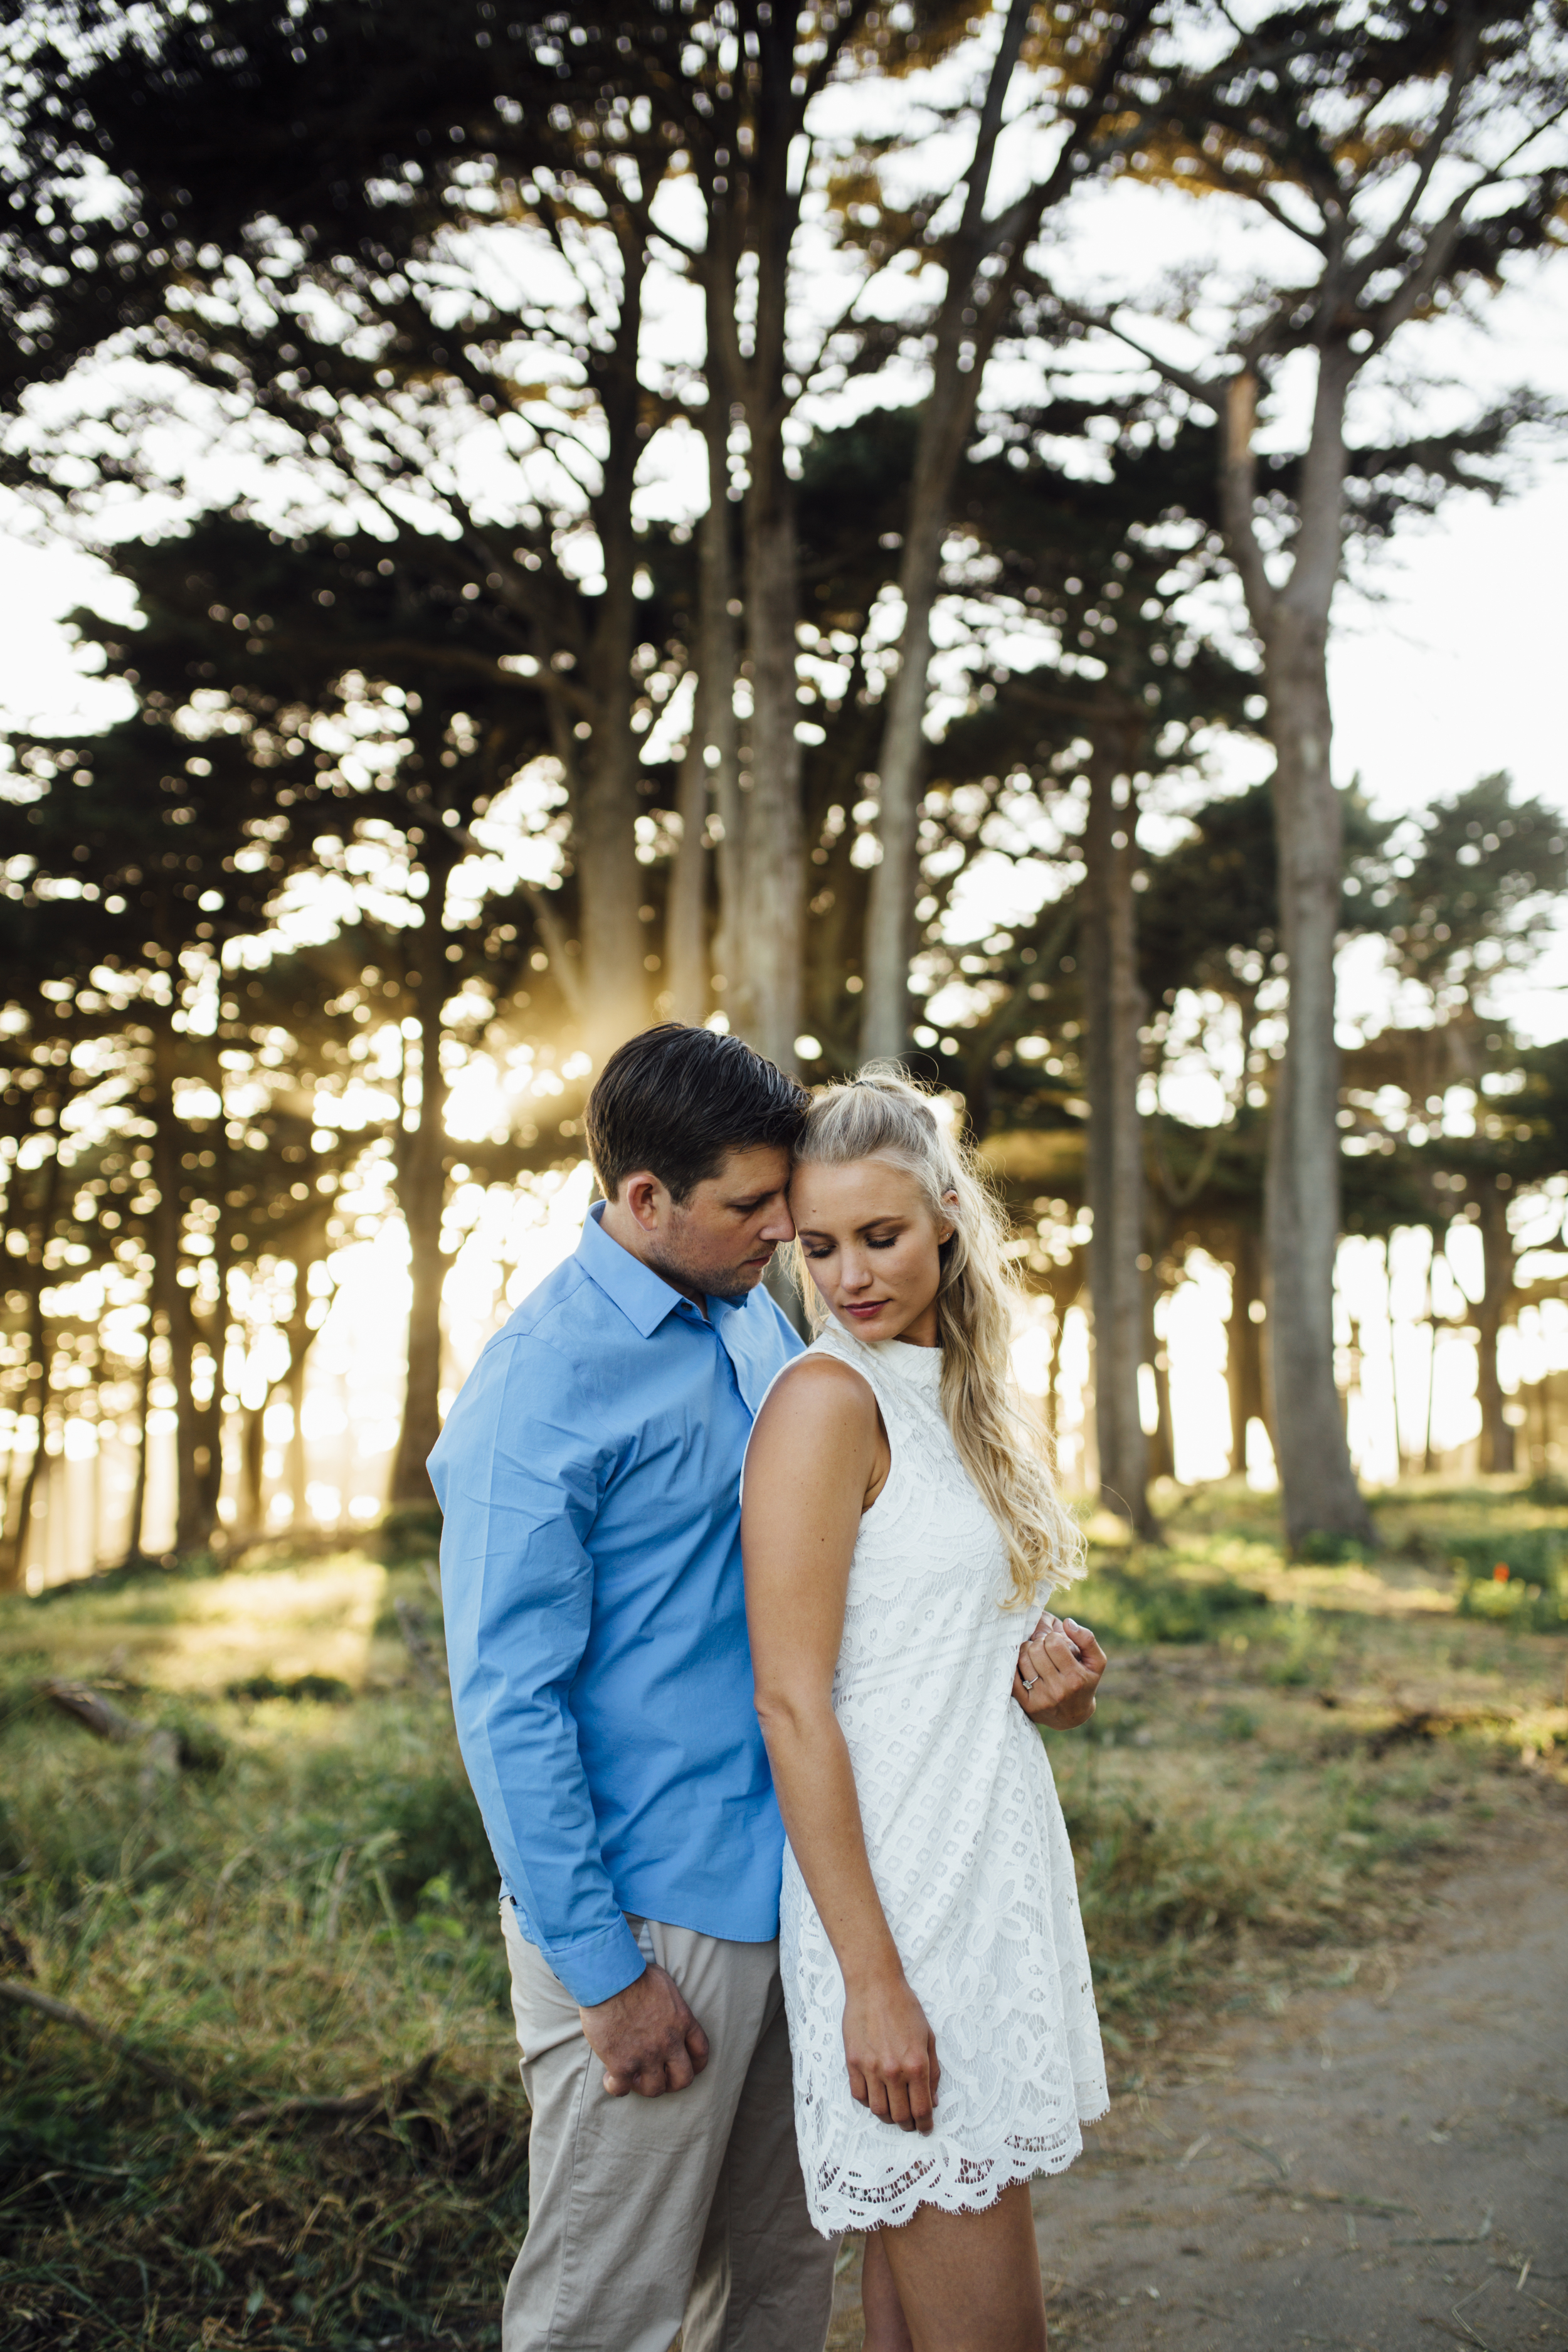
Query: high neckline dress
967,1846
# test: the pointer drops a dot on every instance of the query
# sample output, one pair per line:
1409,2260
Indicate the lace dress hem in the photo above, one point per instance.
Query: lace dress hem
954,2184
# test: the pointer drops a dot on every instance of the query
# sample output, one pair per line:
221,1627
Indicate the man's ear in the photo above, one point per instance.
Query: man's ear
646,1197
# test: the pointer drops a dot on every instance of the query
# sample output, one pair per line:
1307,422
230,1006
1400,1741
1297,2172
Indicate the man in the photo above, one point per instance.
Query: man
589,1476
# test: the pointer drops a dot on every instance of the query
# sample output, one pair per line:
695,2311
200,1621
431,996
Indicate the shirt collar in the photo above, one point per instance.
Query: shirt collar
644,1297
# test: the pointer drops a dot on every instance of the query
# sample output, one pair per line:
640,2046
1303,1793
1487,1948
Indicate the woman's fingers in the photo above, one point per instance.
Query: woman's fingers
923,2093
1088,1648
901,2094
890,2055
911,2097
1058,1673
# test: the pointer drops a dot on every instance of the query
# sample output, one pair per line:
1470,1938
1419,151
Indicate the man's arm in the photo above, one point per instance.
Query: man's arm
518,1476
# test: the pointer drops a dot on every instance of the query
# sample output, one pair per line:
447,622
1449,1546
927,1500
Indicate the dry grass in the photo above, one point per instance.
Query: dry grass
1280,1755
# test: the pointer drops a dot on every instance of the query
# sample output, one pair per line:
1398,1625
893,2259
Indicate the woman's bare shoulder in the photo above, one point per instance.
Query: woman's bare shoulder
820,1392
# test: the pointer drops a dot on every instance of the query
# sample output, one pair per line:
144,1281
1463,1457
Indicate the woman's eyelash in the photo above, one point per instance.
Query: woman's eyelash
826,1249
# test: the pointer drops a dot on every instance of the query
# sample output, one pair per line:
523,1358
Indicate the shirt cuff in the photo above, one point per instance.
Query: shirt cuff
595,1968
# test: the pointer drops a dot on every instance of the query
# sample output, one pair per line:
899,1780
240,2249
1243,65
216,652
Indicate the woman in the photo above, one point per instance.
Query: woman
899,1531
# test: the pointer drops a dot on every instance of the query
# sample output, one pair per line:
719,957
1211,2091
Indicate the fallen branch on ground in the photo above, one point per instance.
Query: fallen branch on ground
390,2096
165,1750
26,1996
356,2102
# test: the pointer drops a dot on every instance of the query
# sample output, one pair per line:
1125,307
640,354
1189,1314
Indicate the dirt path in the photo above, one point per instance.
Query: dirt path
1382,2166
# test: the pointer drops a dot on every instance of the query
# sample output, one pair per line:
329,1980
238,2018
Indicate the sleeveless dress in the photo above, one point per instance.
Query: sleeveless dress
967,1846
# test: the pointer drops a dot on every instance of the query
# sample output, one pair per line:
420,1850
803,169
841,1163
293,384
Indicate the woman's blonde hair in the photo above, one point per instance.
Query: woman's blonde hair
881,1116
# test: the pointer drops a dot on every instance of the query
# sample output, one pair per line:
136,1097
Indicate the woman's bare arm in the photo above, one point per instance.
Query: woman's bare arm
818,1453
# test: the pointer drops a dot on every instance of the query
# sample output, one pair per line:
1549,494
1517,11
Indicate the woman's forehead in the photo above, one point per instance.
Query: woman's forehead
858,1184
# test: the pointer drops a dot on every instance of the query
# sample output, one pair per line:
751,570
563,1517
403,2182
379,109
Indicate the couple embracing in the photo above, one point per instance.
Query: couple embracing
737,2048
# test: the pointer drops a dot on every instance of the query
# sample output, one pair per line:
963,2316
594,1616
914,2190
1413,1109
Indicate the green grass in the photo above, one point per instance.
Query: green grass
311,1914
1281,1754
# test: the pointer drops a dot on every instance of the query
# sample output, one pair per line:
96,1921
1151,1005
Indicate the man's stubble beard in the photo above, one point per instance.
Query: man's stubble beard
728,1283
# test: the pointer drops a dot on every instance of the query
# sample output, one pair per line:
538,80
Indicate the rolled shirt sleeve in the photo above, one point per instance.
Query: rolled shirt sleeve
519,1477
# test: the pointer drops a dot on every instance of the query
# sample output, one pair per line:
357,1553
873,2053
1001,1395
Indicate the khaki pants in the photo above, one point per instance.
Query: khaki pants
650,2216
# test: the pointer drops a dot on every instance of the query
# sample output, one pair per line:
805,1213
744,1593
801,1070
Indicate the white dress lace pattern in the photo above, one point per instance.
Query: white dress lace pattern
967,1846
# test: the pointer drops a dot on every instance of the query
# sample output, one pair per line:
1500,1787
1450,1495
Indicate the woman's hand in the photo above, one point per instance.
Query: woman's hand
891,2055
1058,1672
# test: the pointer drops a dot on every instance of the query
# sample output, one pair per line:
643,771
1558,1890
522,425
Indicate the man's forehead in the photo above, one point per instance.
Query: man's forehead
750,1167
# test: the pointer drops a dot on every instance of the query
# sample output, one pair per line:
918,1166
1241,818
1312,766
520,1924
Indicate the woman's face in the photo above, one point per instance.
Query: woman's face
871,1245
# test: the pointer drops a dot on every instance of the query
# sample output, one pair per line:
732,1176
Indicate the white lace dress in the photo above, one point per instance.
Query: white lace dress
967,1846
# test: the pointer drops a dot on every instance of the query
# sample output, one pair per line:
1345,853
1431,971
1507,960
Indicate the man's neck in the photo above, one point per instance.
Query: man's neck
621,1227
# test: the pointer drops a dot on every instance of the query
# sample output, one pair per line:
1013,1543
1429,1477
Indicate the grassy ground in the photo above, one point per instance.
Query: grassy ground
304,1911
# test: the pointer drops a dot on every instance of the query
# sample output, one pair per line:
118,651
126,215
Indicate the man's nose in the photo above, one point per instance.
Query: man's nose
778,1225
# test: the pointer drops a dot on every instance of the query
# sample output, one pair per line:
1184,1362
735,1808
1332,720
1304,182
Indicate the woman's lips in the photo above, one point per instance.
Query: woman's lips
875,1307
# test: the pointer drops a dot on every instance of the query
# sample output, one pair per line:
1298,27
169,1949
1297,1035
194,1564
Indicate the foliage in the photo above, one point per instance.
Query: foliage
1153,1602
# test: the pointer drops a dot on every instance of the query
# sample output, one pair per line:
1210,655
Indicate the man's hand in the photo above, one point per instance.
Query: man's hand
647,2036
1059,1667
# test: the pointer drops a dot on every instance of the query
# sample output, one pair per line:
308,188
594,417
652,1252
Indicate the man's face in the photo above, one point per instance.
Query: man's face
718,1242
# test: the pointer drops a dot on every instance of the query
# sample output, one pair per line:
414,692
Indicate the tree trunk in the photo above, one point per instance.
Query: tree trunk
1054,1379
1114,1172
609,879
422,1195
718,658
685,910
1301,1187
946,415
139,1486
192,1523
1393,1359
1243,1347
1160,1450
1428,1454
40,1337
766,1007
1063,1285
890,914
1490,1314
299,1465
767,1002
249,1517
41,1226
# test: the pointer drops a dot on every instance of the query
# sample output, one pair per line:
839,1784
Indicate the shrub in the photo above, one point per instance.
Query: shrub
408,1535
1320,1549
439,1834
1149,1604
1519,1577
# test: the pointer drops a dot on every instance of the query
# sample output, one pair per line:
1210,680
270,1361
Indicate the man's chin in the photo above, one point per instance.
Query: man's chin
739,1281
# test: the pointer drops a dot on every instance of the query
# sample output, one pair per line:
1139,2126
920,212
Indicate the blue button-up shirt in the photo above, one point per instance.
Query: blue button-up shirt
589,1477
